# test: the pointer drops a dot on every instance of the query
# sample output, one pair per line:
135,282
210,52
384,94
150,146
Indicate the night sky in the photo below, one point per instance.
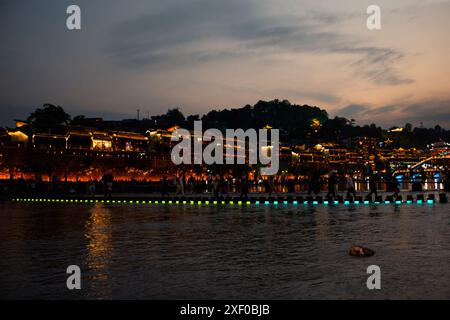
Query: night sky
205,54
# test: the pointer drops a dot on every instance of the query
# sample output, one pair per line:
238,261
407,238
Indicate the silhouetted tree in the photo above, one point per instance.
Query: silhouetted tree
78,120
175,117
49,116
408,128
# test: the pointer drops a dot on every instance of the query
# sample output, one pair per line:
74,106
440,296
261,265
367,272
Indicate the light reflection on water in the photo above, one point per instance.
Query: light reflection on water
99,249
195,252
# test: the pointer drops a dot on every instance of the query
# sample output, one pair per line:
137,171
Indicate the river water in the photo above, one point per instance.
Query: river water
200,252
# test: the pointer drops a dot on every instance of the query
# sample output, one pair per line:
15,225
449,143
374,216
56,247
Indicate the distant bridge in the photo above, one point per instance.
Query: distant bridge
434,161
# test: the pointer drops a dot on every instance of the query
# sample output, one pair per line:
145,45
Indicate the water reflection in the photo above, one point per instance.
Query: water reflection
99,247
322,225
403,226
199,252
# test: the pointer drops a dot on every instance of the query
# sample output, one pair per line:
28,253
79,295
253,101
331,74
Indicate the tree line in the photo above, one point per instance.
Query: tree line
297,123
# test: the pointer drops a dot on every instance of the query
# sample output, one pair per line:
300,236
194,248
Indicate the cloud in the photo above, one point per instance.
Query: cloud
197,53
429,112
378,65
175,33
307,97
185,33
352,111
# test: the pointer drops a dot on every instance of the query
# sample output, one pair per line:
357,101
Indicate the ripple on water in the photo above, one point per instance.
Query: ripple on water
237,252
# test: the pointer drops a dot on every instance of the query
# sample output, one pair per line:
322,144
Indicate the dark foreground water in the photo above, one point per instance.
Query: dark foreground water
266,252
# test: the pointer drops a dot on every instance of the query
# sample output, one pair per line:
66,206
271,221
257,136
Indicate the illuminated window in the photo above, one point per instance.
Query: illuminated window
98,144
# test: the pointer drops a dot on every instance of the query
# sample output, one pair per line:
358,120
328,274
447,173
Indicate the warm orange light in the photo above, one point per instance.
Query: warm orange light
18,136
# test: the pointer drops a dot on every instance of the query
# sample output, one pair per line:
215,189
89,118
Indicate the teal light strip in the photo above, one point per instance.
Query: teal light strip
212,202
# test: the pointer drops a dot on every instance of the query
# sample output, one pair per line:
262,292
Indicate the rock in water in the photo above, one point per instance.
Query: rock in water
358,251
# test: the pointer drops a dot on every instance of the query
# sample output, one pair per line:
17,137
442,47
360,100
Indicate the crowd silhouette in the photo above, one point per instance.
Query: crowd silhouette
181,184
